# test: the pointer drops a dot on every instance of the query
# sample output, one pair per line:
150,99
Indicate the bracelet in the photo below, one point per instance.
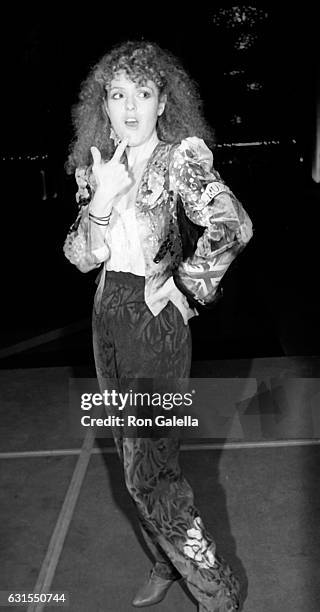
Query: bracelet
104,221
97,223
100,218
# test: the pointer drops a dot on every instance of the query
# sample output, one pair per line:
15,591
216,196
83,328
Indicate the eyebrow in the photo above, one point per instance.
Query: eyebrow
124,88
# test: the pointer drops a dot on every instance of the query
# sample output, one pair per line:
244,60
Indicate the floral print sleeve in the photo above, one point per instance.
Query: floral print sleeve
209,203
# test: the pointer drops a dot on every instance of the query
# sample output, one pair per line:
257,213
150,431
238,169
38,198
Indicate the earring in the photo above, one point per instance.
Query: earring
114,137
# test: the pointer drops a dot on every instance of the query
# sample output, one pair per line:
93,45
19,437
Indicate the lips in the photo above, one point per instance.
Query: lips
131,122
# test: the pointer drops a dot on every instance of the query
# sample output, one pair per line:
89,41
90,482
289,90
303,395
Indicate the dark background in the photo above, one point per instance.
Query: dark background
256,67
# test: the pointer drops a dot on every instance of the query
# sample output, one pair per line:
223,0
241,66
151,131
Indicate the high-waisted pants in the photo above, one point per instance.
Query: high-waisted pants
130,342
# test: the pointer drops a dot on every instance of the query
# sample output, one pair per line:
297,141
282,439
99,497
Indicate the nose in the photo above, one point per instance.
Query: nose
130,103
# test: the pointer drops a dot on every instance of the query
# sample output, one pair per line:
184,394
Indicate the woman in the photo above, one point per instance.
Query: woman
143,173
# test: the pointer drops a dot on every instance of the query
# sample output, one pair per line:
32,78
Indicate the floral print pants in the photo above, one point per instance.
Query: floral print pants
130,343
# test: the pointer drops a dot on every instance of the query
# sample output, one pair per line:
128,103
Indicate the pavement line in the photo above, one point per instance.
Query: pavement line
54,334
208,446
55,547
41,453
240,445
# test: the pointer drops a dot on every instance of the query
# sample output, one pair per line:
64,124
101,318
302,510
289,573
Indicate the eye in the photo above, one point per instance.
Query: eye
117,95
145,93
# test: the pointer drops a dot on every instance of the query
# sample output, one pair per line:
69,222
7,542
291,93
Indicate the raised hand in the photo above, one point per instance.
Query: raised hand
111,177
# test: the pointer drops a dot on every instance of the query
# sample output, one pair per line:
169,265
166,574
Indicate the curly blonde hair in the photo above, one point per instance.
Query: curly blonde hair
141,61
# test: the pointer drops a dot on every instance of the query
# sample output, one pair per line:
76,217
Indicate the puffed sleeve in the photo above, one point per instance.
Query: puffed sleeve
80,247
207,202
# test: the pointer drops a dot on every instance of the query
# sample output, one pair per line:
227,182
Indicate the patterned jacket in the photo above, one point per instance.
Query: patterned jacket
181,172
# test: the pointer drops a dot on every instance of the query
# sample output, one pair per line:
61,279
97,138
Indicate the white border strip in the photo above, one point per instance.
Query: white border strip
184,447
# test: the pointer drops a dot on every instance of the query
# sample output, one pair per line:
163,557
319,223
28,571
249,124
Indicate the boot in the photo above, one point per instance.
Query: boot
153,591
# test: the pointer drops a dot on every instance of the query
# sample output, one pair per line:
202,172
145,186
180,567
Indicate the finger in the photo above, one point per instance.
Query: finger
120,149
96,155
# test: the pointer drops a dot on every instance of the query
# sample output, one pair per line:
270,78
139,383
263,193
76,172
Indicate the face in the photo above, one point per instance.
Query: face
133,109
